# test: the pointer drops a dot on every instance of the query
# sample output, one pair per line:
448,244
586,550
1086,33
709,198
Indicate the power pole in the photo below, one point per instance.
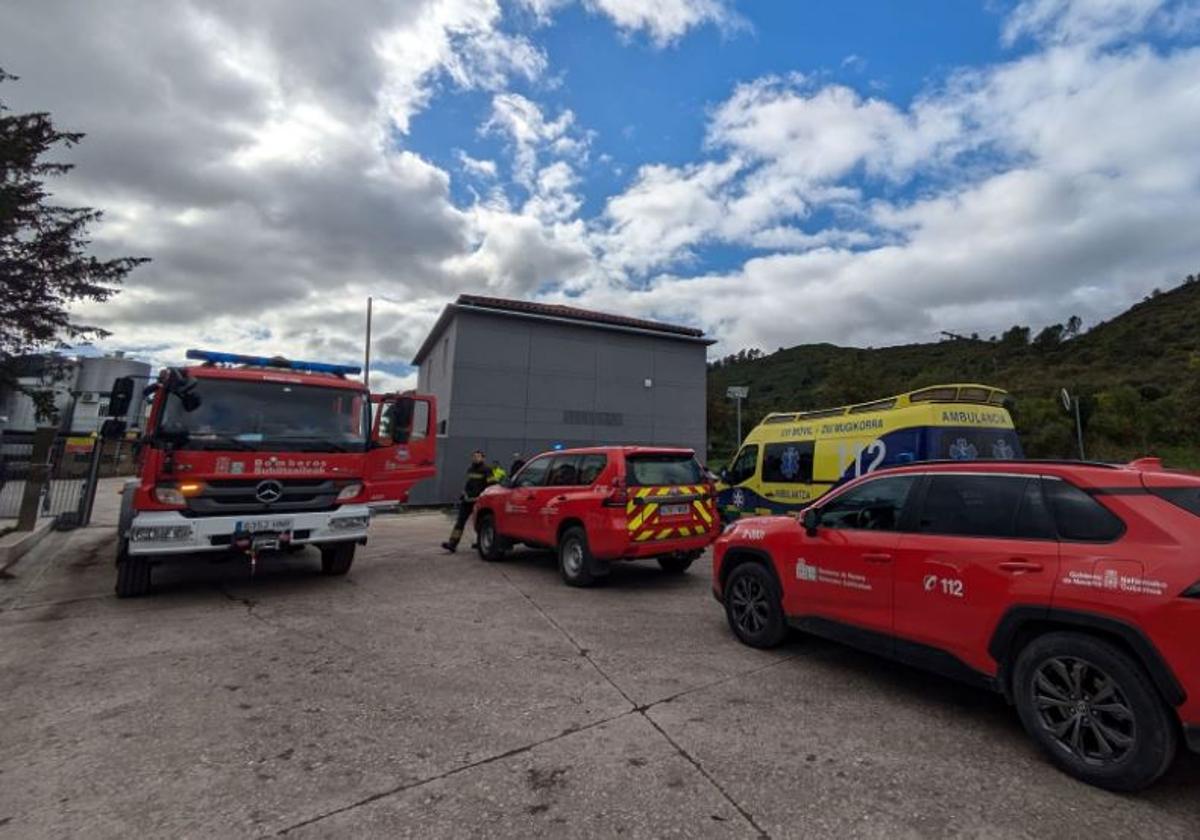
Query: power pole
367,349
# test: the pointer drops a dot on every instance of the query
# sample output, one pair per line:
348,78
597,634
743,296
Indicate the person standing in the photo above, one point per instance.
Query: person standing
518,462
479,476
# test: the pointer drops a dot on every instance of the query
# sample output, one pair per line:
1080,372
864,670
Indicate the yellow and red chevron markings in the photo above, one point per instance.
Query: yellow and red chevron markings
643,524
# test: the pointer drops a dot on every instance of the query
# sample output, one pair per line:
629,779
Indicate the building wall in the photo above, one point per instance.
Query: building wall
522,385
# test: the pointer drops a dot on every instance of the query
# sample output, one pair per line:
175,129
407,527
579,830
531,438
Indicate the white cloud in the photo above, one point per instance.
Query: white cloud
523,123
664,21
1062,182
475,166
1096,22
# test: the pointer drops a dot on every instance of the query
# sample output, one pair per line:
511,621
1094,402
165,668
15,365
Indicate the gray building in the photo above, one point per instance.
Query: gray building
514,376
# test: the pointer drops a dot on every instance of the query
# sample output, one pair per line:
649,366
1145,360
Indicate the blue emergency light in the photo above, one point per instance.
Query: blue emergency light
216,357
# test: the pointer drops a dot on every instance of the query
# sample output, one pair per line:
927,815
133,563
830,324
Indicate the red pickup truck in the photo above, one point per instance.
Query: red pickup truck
600,504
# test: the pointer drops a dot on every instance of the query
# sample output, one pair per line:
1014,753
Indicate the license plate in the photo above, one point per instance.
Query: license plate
674,510
261,526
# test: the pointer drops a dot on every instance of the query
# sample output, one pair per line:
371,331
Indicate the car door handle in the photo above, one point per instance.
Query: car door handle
1020,566
877,557
560,499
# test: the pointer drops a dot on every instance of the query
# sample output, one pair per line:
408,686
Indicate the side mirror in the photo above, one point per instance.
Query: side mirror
121,397
112,429
506,481
810,519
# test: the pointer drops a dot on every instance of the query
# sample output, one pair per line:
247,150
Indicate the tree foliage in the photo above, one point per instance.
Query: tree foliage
44,264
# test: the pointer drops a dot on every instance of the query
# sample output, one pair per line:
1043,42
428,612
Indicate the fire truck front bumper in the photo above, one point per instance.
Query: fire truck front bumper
170,532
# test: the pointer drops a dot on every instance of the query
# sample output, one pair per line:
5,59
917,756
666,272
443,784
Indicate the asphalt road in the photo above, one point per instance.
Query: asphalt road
428,695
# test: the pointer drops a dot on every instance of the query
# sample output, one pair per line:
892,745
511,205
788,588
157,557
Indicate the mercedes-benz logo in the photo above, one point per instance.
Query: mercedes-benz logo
268,491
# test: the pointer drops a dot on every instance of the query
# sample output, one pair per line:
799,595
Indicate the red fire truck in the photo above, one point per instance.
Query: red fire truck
249,454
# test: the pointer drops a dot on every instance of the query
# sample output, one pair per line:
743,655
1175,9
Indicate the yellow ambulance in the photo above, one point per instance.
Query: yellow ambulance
791,459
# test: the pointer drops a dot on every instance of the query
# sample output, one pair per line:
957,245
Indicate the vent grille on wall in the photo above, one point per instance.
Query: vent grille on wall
593,418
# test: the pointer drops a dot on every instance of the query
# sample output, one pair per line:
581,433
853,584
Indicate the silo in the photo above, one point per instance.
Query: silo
94,382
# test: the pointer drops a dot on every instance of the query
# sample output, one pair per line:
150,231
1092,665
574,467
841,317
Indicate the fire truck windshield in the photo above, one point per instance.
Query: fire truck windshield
267,416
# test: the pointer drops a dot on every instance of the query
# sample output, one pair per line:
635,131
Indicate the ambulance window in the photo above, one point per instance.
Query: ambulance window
788,463
873,506
744,465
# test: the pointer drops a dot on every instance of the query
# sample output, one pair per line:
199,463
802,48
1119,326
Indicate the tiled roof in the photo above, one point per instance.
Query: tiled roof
573,313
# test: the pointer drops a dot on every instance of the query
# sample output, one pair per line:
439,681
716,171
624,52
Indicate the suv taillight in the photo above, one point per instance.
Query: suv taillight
618,494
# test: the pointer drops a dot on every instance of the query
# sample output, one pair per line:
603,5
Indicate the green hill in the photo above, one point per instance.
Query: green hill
1138,377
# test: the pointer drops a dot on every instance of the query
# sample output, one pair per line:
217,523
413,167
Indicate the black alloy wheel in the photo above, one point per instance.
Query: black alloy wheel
1084,710
1094,710
753,608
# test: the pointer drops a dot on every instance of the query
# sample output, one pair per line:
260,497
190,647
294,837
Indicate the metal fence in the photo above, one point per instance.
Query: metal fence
65,495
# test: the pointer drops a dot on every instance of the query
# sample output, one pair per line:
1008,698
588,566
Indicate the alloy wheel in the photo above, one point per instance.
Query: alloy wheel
1084,710
750,604
573,557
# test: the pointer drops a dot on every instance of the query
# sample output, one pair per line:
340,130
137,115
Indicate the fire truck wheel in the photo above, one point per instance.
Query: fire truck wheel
133,573
676,564
336,559
575,558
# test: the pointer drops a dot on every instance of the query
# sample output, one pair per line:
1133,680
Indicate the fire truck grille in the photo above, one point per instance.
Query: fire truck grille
220,498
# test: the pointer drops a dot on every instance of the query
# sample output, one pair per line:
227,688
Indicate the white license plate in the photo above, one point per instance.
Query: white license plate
674,510
261,526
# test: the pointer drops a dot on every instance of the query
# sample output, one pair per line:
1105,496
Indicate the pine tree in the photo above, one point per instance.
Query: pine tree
44,265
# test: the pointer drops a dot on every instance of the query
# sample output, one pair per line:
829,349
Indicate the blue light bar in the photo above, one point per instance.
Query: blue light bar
217,357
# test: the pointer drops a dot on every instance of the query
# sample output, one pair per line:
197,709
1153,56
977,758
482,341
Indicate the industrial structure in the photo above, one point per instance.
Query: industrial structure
514,376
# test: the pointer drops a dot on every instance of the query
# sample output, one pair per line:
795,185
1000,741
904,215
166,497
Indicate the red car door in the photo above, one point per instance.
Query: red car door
554,497
982,543
843,569
517,517
403,445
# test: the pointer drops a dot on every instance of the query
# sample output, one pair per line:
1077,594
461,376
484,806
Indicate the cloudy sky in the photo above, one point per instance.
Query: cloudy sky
863,172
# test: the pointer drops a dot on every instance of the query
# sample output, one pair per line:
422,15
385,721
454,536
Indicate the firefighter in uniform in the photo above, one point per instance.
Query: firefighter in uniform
479,476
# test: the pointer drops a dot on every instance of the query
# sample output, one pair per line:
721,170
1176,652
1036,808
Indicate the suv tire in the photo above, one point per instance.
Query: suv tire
492,546
575,558
753,606
336,559
676,564
1094,711
133,572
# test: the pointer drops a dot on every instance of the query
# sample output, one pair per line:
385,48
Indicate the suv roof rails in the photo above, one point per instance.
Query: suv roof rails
1066,462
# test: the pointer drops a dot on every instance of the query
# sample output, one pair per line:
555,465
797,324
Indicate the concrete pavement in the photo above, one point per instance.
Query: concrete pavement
428,695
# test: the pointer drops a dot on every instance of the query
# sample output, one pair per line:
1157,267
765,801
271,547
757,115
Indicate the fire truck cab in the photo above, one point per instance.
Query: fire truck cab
250,454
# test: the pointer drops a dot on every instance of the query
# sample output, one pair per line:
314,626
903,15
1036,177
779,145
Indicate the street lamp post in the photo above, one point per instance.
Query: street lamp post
737,393
1070,402
367,348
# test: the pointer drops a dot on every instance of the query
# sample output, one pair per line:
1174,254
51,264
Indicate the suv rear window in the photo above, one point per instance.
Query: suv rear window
1078,516
666,468
1187,498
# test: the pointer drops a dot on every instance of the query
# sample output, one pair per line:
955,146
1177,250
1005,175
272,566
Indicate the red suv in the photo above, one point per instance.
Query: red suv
601,504
1073,588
